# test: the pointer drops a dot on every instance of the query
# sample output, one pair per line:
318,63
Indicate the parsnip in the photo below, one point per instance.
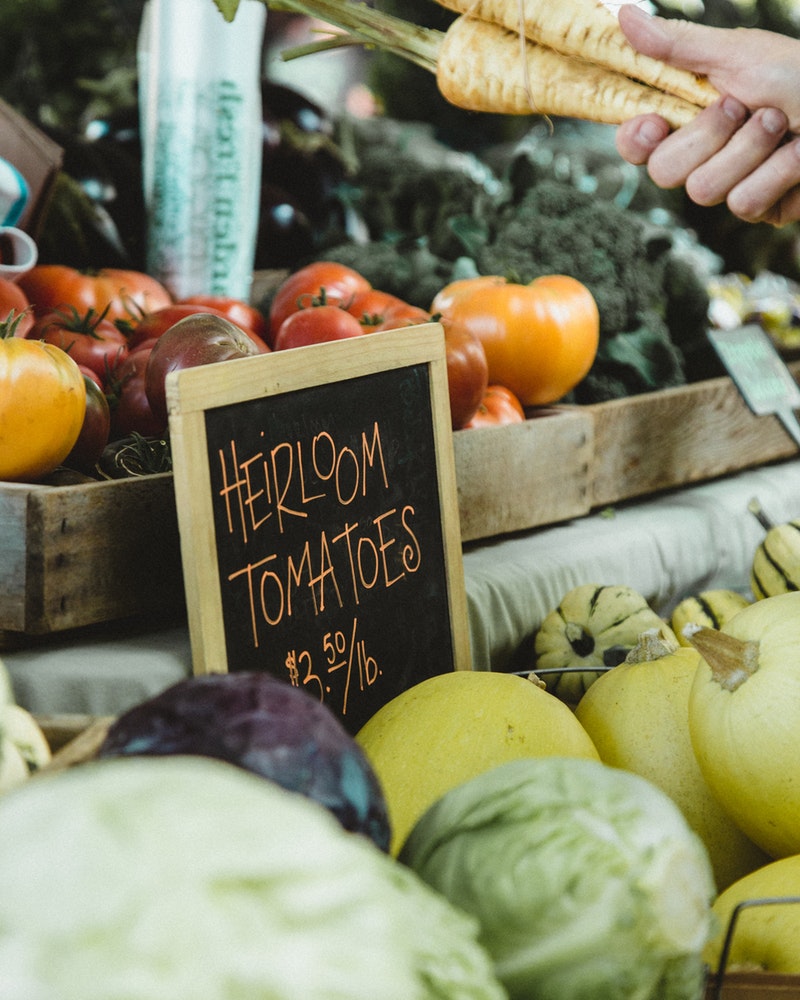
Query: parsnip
589,30
480,67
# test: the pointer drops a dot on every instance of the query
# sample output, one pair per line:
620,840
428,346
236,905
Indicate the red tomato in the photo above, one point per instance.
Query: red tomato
144,345
403,315
95,431
120,294
14,305
371,306
92,374
316,325
154,324
498,406
199,339
467,373
540,339
317,283
241,313
130,408
88,339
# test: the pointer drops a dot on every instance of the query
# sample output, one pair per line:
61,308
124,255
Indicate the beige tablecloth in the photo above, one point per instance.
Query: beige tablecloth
665,547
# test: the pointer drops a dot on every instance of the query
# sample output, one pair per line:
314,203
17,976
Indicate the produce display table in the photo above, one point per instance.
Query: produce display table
664,546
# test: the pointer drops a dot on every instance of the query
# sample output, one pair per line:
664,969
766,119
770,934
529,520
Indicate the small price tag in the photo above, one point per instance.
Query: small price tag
759,373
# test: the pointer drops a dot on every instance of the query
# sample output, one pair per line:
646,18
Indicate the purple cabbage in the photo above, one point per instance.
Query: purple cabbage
264,725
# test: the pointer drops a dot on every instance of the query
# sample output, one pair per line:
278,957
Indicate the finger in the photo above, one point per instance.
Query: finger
747,149
733,62
681,43
769,193
690,147
637,139
786,211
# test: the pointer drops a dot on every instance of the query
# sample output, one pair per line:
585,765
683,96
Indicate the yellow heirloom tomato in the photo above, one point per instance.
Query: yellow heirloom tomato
42,405
540,339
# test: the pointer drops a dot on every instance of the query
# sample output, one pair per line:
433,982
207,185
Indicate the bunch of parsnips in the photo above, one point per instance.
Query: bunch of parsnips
565,58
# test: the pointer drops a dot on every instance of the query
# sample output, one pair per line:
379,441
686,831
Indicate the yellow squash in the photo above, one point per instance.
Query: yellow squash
765,932
638,718
454,726
744,719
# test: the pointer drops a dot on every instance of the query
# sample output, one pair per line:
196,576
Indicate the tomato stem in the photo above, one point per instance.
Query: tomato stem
9,325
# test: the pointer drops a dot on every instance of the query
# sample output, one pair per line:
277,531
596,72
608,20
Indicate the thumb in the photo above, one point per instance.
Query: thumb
758,67
685,44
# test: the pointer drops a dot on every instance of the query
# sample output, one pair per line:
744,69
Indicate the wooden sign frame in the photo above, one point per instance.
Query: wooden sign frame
230,394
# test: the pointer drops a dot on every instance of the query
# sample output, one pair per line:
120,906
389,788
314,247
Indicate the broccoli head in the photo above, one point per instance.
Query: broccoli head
555,229
407,269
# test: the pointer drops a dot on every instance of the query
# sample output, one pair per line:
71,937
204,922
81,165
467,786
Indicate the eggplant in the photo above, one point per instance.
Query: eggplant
263,724
302,169
97,217
285,234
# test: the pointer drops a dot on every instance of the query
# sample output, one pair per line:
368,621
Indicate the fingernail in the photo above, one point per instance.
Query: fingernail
733,109
652,132
773,121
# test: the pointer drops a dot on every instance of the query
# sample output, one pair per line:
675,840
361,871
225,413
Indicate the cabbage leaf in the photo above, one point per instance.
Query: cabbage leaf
587,881
186,878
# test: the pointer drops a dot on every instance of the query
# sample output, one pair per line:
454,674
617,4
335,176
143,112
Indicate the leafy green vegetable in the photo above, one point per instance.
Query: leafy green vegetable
185,878
5,699
587,881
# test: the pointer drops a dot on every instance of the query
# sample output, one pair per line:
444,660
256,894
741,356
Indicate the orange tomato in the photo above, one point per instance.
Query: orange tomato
42,406
461,288
499,406
540,339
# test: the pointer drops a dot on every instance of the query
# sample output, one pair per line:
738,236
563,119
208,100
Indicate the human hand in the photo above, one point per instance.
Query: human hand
741,149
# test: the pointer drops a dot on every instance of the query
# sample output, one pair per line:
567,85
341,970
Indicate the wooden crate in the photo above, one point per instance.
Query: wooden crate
571,460
678,436
73,739
753,986
76,555
517,477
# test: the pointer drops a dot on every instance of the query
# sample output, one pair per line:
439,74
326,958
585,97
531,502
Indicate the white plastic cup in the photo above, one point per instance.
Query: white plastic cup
18,252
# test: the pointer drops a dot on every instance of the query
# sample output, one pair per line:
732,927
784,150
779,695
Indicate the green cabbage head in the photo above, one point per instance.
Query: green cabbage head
6,695
185,878
587,881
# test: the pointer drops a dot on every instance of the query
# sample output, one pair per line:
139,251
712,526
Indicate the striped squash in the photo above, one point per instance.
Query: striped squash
594,627
776,562
708,609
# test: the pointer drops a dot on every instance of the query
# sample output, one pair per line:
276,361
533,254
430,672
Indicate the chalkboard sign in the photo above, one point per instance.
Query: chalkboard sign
318,514
759,373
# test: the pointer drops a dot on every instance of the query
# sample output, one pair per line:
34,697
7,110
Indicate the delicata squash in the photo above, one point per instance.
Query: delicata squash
594,627
522,57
